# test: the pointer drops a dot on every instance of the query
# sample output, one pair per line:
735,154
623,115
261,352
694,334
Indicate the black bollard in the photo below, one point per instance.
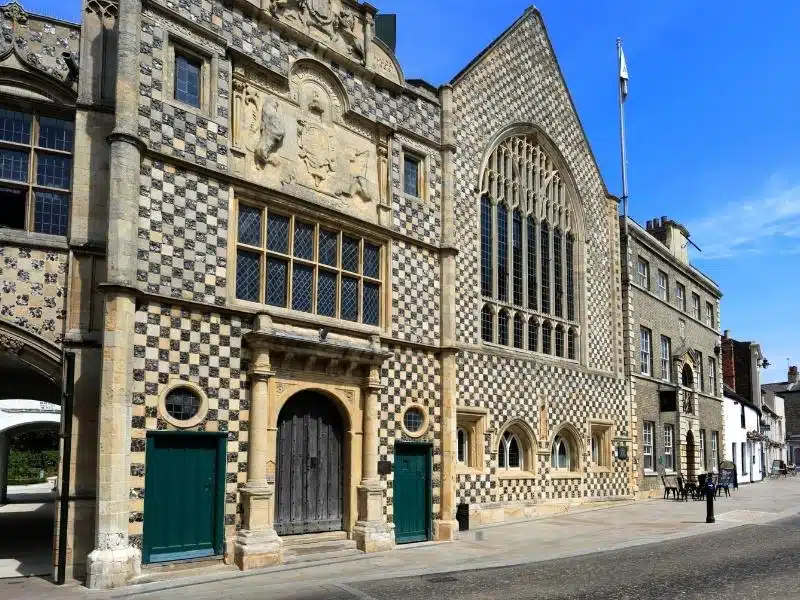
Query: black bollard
710,491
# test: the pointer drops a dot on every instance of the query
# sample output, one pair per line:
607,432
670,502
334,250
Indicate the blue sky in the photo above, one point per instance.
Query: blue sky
711,116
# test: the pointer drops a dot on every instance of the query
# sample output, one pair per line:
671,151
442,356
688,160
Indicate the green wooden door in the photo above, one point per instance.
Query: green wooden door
412,493
184,496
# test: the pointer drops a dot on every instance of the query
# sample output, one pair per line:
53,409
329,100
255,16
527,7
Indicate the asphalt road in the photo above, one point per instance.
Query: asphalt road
749,562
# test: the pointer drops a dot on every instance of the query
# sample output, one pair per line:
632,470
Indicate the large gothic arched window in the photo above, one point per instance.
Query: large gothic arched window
528,249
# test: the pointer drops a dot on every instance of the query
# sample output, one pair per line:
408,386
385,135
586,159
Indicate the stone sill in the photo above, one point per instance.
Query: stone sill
515,475
566,476
31,238
650,474
462,470
600,470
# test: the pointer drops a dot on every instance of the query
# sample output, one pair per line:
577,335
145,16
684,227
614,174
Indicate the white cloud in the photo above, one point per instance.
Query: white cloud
769,223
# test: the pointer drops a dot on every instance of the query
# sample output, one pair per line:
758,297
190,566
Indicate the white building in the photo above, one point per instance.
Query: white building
773,427
740,434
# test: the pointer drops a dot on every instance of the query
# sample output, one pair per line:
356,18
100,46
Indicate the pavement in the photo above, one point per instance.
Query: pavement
572,536
26,531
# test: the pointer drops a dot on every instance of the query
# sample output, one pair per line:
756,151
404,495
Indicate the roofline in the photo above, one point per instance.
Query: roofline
533,11
42,17
728,392
663,250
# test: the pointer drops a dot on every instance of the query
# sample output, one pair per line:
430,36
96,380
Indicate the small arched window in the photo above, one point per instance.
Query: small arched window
595,449
509,456
519,331
463,446
547,332
560,455
571,344
560,341
502,328
533,335
487,324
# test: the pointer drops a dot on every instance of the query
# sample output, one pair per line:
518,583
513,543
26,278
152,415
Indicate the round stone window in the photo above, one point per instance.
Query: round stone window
415,421
182,404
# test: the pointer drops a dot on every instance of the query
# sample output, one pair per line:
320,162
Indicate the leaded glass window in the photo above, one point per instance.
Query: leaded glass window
35,171
519,331
411,175
547,331
533,293
182,404
528,264
516,242
486,247
293,263
533,336
559,341
544,239
508,452
187,79
502,253
558,270
502,328
487,324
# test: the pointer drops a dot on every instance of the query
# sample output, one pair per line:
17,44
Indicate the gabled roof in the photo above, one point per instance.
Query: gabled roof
729,392
785,387
532,11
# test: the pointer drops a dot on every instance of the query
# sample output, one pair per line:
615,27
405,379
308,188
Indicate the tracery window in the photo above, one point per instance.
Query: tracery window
528,262
508,452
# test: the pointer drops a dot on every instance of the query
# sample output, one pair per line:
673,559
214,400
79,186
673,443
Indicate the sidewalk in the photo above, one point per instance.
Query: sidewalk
571,534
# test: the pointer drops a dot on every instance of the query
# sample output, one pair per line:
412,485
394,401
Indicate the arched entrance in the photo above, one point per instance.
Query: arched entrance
309,483
691,471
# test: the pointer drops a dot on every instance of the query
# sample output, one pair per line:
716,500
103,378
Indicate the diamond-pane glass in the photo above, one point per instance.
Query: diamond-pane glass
56,134
302,286
276,282
413,419
372,260
371,305
350,254
15,126
249,225
14,165
328,241
303,240
247,275
278,233
182,404
187,80
52,213
350,298
326,293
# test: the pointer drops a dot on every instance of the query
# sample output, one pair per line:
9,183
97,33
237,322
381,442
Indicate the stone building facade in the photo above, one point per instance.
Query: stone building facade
674,352
788,394
304,294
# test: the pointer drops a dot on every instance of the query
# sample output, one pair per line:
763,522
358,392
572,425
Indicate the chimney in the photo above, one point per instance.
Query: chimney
793,374
728,361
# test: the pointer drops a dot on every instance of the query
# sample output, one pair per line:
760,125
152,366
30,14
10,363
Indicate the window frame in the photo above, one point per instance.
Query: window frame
680,296
714,450
33,150
291,260
696,306
178,46
506,439
712,375
703,458
666,358
643,273
421,160
710,321
648,448
669,447
662,290
645,354
472,421
600,436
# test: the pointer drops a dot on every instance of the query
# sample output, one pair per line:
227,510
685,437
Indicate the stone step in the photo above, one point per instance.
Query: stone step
315,556
323,548
290,541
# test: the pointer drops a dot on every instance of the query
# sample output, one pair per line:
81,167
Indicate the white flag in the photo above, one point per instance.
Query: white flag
623,74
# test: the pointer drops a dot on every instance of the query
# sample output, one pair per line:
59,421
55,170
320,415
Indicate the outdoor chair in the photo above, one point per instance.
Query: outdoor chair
778,468
670,486
683,490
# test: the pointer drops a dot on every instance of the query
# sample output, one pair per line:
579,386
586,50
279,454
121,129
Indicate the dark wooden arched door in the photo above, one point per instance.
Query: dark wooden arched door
309,479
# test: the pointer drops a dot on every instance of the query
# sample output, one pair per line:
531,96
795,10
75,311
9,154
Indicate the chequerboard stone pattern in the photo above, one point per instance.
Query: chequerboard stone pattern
410,377
173,344
183,234
518,81
416,289
33,290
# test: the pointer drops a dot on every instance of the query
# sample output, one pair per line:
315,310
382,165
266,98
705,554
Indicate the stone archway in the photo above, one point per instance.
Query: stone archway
310,470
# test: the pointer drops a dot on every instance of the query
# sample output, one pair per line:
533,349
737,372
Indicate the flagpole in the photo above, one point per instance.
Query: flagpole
622,139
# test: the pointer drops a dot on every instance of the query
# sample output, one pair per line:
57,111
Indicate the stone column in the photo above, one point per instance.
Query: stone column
445,527
113,561
257,544
371,532
3,468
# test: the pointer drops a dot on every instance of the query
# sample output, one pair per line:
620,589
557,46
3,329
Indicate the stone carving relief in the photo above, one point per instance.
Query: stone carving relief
10,344
306,138
327,20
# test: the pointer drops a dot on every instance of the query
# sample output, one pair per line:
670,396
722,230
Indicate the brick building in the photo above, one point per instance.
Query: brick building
673,319
789,390
304,294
